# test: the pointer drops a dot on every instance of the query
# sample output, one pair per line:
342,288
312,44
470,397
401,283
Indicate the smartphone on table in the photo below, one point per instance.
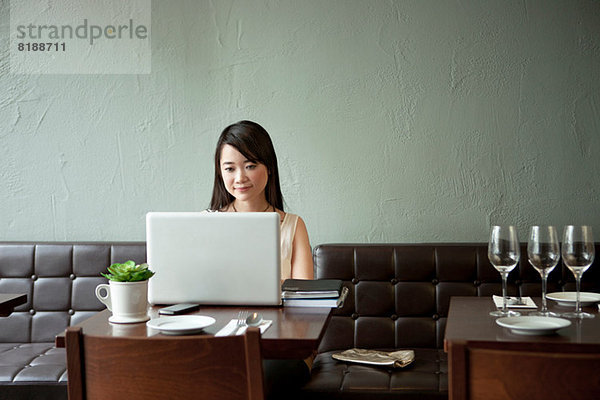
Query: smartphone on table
178,309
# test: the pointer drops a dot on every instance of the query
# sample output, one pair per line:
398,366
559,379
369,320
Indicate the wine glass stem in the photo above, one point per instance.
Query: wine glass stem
577,286
504,299
544,305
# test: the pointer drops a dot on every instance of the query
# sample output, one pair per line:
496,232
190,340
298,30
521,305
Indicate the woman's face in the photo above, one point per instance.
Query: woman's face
245,180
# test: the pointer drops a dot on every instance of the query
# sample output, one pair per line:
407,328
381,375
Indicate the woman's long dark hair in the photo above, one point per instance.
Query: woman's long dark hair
253,141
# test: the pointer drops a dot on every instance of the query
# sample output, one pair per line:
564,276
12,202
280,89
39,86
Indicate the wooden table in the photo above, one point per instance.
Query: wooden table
8,302
487,361
295,332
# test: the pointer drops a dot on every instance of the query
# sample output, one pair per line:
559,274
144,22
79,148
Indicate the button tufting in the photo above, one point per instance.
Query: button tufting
354,316
435,281
71,311
34,277
355,280
32,311
394,281
435,317
394,317
72,276
477,283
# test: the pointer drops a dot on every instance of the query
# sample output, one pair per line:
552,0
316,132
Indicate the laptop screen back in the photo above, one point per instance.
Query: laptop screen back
214,258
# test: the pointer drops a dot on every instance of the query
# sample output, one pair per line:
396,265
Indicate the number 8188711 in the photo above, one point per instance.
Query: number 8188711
49,46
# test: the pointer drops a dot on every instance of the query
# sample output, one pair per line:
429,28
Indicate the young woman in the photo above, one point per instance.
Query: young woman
247,180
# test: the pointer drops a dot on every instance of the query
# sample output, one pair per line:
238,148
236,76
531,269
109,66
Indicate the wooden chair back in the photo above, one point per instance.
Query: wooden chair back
528,373
164,367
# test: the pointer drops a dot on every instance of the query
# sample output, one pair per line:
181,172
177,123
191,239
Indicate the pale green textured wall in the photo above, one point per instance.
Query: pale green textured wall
394,121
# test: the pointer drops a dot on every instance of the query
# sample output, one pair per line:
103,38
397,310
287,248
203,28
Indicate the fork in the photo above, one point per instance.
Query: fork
519,300
515,301
241,321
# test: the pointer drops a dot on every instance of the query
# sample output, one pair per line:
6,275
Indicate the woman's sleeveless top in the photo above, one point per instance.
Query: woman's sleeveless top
287,233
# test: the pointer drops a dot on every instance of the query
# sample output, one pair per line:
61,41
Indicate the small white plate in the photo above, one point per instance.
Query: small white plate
567,299
531,325
180,324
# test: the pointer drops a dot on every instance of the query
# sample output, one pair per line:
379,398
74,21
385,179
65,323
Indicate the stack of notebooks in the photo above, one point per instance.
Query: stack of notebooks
313,293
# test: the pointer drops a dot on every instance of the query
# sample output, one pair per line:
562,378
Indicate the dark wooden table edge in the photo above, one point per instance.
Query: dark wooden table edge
9,305
291,347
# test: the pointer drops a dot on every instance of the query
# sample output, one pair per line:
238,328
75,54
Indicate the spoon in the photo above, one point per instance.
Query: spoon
254,319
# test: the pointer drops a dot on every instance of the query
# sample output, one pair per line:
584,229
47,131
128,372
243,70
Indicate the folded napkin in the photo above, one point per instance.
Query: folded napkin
231,327
394,359
510,302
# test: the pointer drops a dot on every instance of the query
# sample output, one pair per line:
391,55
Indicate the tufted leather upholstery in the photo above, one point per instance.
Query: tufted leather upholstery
59,279
398,299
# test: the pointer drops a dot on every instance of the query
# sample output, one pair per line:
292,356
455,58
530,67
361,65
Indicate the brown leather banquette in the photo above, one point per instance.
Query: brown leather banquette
399,297
59,279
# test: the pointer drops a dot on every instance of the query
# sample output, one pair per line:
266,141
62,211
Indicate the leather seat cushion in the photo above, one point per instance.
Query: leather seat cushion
426,377
32,362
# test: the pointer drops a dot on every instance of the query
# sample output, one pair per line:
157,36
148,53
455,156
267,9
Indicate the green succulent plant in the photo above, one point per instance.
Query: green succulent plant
128,272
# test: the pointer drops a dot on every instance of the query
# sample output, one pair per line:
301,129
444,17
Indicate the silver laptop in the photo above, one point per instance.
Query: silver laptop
214,258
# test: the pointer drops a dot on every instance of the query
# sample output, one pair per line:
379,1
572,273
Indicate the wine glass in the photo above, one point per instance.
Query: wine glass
504,253
543,252
578,255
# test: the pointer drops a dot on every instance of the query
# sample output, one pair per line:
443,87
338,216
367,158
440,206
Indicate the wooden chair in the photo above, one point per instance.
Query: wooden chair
490,371
164,367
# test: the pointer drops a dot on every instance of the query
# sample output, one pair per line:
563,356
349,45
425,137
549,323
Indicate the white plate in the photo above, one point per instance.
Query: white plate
567,299
530,325
180,324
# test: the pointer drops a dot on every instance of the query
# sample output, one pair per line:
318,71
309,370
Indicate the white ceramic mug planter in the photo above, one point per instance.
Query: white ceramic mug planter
128,301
